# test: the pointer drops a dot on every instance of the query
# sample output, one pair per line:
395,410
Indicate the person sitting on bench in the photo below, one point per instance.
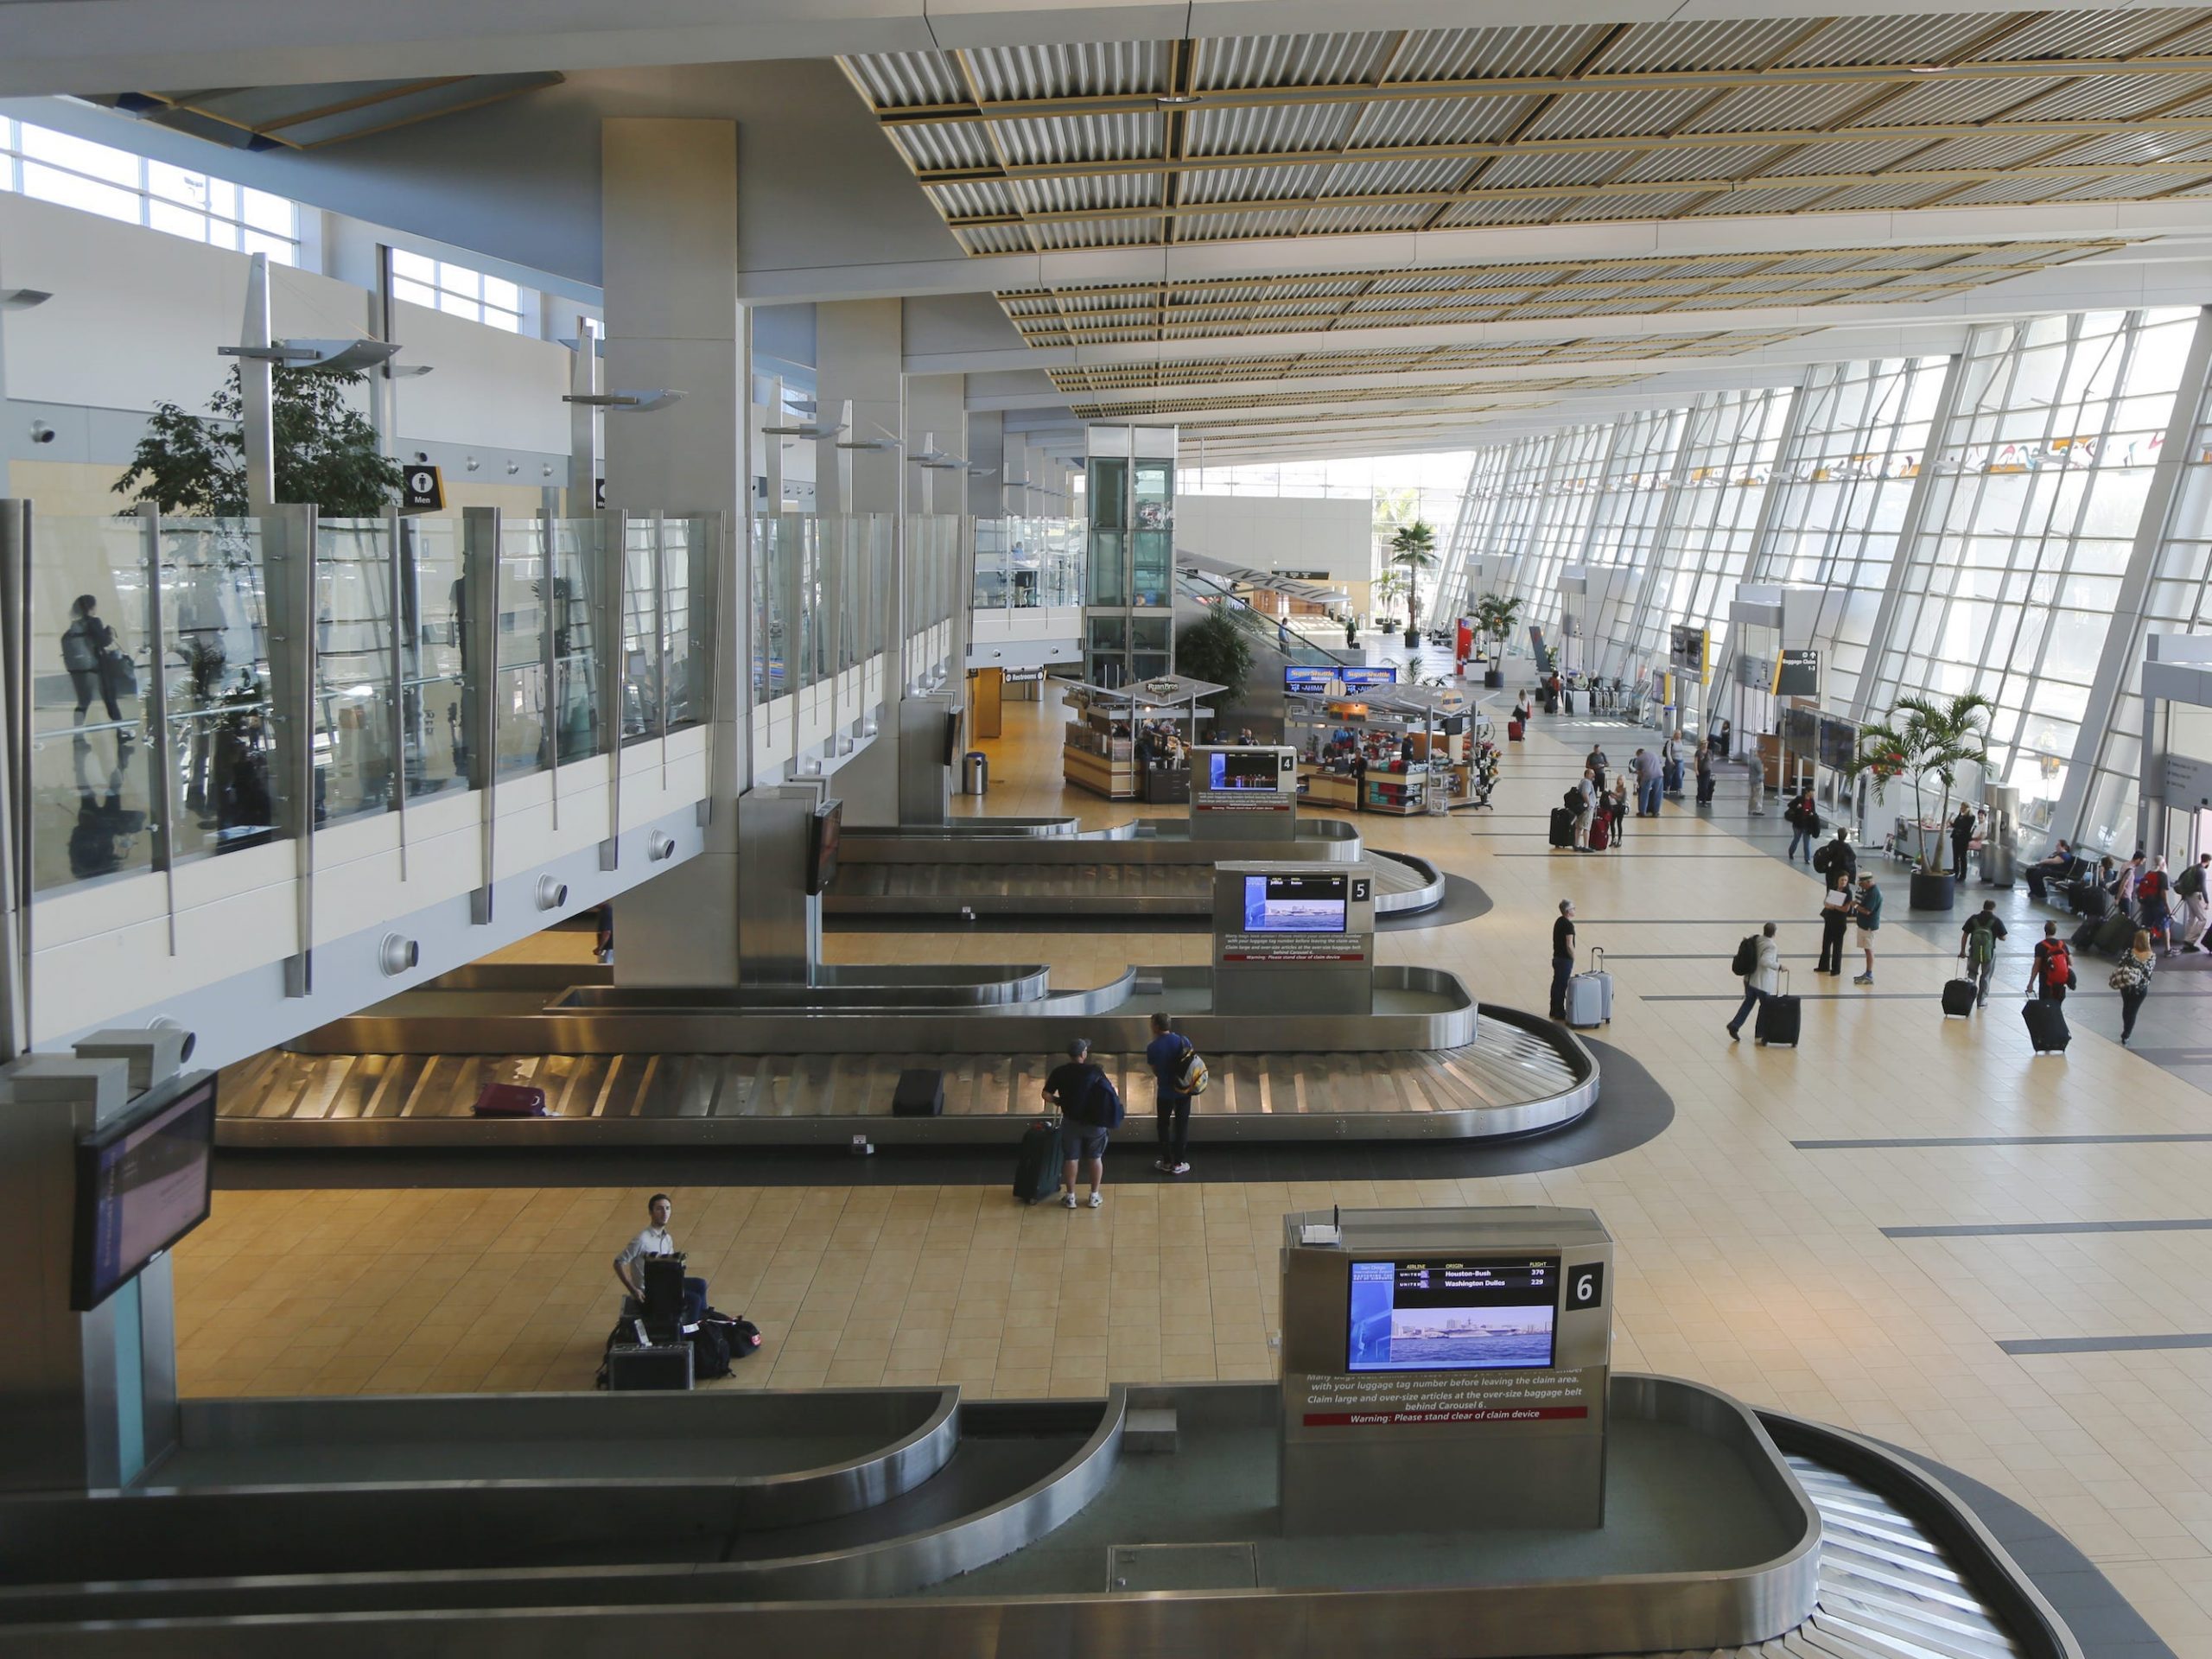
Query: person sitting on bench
2058,863
655,1241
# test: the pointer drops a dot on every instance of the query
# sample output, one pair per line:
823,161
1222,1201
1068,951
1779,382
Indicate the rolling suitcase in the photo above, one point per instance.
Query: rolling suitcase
2084,937
2047,1029
1562,828
2115,933
920,1093
1601,829
1780,1017
1037,1170
510,1100
1590,997
1959,997
1513,730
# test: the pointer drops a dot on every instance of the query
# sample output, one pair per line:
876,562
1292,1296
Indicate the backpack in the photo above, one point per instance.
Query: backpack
1824,856
2190,883
1106,1110
1982,946
1745,961
2058,965
1191,1077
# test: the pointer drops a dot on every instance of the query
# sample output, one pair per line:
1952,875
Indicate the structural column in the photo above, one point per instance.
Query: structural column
937,413
859,358
668,217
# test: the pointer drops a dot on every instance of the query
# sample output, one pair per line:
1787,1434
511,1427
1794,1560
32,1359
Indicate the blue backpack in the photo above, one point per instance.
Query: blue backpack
1102,1104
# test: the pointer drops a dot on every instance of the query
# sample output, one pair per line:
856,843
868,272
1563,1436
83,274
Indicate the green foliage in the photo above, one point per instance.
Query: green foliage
1495,616
326,454
1924,739
1413,549
1215,648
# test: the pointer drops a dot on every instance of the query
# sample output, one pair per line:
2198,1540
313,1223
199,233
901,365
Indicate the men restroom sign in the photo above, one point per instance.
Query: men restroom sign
423,489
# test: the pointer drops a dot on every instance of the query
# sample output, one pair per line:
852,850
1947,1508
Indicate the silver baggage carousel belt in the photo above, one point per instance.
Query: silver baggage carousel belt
1512,1079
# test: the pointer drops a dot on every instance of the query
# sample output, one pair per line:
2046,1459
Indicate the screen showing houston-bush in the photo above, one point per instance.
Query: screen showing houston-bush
1437,1315
1243,769
1294,904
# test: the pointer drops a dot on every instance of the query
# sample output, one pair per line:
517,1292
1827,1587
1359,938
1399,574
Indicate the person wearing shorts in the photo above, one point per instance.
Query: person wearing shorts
1866,911
1074,1086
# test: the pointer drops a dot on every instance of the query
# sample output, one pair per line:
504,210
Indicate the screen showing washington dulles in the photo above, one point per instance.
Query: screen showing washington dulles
1244,769
1438,1315
1294,904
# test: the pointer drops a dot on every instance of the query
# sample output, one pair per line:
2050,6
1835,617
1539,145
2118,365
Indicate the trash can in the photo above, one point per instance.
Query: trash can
975,773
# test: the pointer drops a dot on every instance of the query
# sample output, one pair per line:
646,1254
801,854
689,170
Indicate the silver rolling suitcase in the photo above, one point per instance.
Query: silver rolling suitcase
1590,997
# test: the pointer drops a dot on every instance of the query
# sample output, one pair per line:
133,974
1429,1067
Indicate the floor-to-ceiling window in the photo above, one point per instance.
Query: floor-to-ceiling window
1840,497
1566,489
1734,440
2178,599
1513,526
2012,581
1625,524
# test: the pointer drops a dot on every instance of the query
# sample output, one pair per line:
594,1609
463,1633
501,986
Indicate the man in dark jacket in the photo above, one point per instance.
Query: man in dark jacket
1838,854
1962,841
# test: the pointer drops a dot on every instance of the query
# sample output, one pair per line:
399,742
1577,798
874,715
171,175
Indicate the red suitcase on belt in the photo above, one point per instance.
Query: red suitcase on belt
510,1100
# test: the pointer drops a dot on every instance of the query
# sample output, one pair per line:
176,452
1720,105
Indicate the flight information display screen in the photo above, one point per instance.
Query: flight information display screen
1436,1314
1244,769
1839,743
1295,904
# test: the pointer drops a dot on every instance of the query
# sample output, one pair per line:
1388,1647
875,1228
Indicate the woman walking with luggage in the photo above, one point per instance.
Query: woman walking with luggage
2153,904
2132,979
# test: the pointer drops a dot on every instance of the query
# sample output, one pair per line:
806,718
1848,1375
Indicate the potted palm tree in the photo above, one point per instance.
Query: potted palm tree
1494,620
1413,549
1388,588
1924,741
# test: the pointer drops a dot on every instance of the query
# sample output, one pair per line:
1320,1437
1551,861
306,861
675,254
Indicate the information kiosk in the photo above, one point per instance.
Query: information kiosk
1244,793
1294,939
1444,1370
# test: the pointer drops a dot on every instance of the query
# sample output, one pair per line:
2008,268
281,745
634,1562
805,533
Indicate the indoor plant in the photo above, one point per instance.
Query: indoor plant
1925,739
1413,549
1493,618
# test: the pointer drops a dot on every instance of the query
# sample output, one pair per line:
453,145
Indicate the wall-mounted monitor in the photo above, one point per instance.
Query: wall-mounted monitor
1438,1314
1299,681
142,1184
1839,743
1243,769
1801,730
825,829
1357,678
952,737
1296,903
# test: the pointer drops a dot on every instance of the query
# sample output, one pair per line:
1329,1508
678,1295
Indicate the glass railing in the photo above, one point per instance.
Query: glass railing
1025,564
154,649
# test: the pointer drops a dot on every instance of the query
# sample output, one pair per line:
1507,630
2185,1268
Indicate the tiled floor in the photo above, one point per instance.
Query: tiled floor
1745,1262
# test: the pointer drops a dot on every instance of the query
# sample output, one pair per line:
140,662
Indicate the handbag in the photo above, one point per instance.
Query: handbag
119,674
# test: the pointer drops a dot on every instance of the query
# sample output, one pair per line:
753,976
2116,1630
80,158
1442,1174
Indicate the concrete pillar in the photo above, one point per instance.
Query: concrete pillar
668,214
858,347
987,495
936,411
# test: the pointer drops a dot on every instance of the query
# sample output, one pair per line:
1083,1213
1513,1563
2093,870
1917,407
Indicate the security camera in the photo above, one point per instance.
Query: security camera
41,433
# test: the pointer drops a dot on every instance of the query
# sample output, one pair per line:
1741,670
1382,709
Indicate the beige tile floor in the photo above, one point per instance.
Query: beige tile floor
1744,1262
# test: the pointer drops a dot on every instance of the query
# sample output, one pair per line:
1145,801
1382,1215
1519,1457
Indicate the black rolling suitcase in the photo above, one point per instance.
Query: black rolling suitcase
2115,934
1037,1170
1959,995
1562,827
919,1094
1779,1016
2046,1026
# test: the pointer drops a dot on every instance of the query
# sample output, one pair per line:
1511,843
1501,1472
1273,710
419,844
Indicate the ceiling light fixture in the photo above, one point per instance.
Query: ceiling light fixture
1928,68
1175,100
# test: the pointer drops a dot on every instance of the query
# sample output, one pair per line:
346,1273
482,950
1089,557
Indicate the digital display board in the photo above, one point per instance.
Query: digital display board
1801,730
826,831
1839,743
1243,769
1367,678
142,1184
1303,682
1438,1314
1295,904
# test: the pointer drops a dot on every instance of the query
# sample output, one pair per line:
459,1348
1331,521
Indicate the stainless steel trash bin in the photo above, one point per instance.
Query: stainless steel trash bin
975,773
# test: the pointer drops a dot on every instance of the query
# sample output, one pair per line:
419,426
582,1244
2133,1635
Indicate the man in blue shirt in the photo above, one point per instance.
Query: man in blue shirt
1167,1053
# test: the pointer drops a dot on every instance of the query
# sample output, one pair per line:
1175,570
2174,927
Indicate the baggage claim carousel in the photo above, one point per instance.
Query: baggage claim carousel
814,1065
